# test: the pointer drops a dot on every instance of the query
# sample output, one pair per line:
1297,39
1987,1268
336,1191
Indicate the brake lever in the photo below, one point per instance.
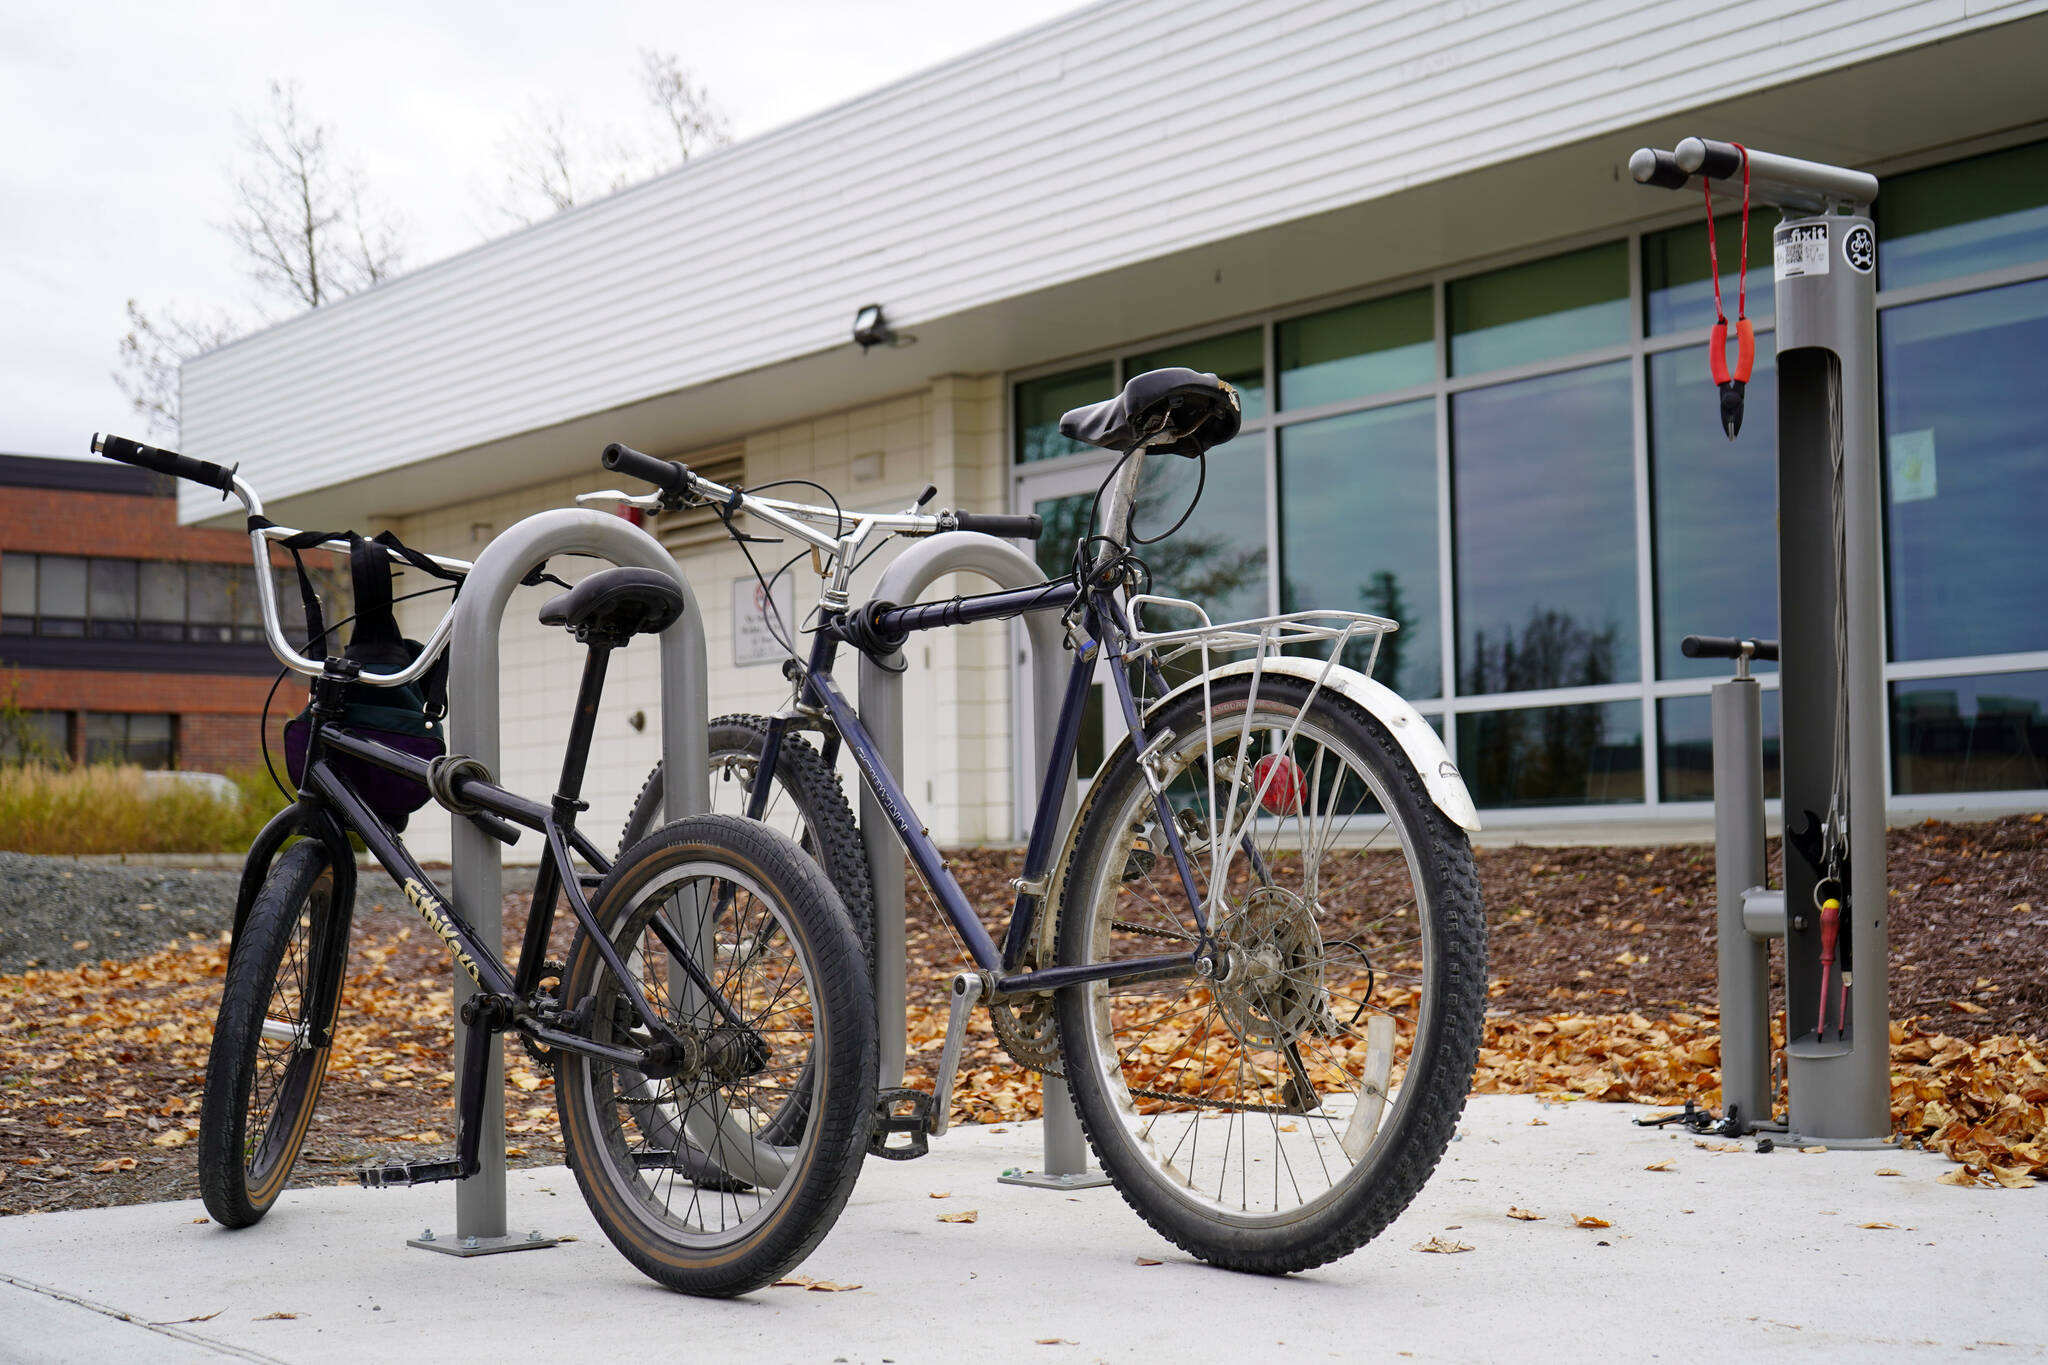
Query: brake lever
646,502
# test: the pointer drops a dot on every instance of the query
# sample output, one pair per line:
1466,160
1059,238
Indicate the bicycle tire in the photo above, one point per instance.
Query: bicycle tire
1279,1052
269,1060
809,805
772,914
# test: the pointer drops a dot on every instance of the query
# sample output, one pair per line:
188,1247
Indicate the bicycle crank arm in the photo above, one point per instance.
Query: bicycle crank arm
967,987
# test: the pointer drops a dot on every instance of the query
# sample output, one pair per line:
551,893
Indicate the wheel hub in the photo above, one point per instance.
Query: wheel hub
1273,991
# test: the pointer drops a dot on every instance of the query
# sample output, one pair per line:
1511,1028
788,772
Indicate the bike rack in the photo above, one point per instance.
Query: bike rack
881,711
1825,250
476,877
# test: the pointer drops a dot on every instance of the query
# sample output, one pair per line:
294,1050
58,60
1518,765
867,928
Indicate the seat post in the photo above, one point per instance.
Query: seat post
582,726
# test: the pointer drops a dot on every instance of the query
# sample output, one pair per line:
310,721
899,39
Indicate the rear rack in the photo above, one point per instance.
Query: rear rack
1293,632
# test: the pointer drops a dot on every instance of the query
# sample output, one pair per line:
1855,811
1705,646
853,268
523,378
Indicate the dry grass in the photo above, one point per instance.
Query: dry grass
108,809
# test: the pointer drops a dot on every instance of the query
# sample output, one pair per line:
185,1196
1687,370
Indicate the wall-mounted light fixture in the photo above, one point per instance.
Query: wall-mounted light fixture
870,328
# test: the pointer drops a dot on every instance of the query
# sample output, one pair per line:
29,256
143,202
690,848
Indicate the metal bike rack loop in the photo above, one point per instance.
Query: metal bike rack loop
1825,253
881,711
476,875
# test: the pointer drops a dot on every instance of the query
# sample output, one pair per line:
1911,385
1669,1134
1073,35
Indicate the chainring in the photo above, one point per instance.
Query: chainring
1030,1032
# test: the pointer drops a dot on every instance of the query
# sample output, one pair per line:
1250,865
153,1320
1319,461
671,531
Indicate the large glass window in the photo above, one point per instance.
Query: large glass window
1544,490
1965,217
1685,747
162,594
1967,472
1714,509
120,738
113,603
1218,558
210,601
60,594
1541,310
1553,755
1357,351
1041,403
1359,510
1238,357
1988,732
35,736
17,594
1678,288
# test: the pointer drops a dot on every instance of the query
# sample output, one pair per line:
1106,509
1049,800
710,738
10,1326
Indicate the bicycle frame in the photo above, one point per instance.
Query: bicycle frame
1104,633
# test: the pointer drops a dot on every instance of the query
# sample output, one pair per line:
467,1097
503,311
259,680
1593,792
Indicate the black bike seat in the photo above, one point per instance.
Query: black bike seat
616,603
1182,411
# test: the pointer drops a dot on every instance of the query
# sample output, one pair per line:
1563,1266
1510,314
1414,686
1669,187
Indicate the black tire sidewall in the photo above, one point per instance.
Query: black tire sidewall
254,962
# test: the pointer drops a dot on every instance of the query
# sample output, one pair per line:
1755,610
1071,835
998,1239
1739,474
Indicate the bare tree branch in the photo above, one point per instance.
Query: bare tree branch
151,353
684,105
300,222
554,162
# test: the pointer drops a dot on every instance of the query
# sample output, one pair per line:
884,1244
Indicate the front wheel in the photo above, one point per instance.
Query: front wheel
1281,1114
273,1036
719,1171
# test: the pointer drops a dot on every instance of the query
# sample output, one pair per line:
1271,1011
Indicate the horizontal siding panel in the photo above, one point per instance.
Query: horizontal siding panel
1080,147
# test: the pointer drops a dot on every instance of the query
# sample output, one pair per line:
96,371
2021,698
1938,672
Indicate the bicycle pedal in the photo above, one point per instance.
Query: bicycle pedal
381,1175
906,1111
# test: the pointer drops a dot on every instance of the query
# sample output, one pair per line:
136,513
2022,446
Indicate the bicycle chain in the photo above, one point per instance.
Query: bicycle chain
1174,1097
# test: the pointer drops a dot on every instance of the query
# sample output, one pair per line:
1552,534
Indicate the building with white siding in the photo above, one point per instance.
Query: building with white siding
1472,351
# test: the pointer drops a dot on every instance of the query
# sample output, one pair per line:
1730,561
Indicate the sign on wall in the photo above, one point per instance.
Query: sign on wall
752,640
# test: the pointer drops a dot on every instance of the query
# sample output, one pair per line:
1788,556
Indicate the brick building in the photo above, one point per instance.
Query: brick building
124,636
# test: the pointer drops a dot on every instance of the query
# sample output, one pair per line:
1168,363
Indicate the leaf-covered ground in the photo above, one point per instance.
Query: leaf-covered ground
1602,987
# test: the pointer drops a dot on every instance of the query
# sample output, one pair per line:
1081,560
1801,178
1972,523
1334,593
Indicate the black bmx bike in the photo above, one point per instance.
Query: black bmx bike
711,1034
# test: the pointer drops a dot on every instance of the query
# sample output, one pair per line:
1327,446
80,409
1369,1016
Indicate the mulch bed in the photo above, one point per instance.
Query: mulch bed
1602,986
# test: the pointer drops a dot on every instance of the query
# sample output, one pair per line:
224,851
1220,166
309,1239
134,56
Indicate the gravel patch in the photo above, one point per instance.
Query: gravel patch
58,912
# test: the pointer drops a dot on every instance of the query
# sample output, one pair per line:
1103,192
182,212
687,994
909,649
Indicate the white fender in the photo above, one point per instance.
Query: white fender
1440,776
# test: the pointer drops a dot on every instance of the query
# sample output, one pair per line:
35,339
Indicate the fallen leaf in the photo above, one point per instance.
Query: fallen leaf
1147,1260
1965,1007
202,1220
1886,1170
793,1282
1539,1123
1967,1176
1665,1165
2011,1179
515,1151
1442,1246
829,1287
1877,1225
525,1080
1524,1215
1056,1341
274,1317
203,1317
121,1163
171,1137
940,1194
964,1216
1812,1150
1587,1220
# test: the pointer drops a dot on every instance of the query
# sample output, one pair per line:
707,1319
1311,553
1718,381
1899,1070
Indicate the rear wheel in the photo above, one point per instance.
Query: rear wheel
806,803
270,1052
1281,1112
722,1170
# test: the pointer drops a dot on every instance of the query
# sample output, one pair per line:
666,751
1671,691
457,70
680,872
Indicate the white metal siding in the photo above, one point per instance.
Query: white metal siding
1115,135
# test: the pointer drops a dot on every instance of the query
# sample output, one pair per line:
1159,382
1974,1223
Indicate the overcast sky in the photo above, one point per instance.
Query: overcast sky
118,133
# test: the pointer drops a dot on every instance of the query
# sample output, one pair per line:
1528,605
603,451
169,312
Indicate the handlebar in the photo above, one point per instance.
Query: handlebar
672,479
1782,180
1724,647
164,461
1008,526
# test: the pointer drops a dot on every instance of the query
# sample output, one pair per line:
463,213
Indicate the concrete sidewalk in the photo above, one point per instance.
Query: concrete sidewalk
1727,1254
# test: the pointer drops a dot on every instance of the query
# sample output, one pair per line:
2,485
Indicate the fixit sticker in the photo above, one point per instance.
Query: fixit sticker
1799,249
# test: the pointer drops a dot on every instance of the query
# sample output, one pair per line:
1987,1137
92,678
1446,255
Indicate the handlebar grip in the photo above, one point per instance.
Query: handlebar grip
1652,166
1704,156
667,475
164,461
1722,647
1006,525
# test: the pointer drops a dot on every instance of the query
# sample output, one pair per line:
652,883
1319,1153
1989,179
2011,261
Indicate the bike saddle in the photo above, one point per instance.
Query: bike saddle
1182,411
616,604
